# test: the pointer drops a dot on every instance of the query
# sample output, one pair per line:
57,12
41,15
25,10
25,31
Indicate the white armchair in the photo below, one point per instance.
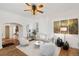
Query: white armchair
23,42
49,49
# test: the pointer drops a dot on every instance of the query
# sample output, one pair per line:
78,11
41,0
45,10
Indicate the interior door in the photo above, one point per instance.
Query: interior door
7,32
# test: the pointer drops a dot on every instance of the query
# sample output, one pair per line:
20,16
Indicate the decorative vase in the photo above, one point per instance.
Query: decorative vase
59,42
66,46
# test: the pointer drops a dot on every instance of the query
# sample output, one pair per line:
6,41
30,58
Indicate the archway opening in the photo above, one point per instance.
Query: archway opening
11,33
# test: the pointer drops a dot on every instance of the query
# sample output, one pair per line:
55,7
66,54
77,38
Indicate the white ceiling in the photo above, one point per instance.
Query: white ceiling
50,9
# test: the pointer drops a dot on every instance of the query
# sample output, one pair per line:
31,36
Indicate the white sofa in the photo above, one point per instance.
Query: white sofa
42,37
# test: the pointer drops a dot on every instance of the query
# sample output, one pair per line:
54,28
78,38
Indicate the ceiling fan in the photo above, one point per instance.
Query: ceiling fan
35,8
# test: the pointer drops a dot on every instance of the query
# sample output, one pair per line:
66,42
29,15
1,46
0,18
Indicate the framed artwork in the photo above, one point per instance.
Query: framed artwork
64,25
73,26
56,27
69,26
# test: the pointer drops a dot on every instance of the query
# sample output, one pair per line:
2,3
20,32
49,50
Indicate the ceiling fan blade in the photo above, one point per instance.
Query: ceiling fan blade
26,10
41,6
40,11
28,4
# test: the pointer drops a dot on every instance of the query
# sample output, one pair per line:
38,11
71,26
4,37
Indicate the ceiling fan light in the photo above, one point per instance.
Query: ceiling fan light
34,8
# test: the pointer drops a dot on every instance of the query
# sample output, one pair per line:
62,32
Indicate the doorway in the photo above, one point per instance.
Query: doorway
11,32
7,32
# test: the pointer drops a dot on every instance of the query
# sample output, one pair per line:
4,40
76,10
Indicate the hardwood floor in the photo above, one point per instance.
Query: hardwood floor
11,51
70,52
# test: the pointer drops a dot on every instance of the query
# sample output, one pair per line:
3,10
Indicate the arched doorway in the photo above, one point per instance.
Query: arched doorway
11,33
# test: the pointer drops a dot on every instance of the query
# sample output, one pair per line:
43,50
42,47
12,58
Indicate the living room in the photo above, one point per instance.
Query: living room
14,20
